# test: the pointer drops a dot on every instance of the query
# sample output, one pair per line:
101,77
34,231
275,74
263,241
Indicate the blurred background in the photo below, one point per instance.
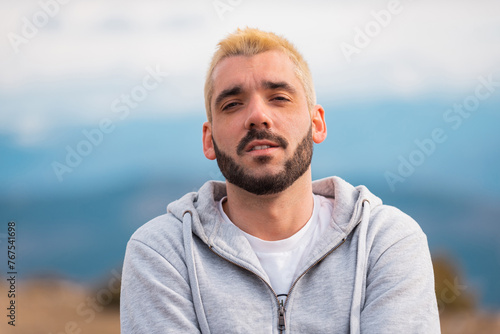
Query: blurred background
101,109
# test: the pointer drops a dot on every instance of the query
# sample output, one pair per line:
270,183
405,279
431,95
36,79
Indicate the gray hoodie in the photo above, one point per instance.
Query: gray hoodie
189,271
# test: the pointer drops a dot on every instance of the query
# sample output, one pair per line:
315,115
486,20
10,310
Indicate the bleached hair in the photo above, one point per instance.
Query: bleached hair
250,42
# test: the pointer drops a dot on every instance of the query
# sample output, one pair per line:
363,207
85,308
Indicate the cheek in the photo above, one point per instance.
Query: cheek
297,127
225,124
228,129
225,140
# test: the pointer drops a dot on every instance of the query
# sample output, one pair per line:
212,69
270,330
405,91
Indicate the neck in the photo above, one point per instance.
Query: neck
271,217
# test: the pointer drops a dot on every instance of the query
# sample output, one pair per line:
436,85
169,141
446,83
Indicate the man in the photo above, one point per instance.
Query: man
270,251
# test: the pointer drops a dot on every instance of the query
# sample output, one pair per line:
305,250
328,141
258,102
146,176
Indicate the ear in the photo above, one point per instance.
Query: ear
208,145
318,124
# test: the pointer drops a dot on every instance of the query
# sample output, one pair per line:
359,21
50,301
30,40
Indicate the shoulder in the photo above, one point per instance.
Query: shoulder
389,226
389,219
162,234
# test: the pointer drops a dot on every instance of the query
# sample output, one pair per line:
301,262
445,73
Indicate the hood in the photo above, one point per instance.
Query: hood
200,216
347,211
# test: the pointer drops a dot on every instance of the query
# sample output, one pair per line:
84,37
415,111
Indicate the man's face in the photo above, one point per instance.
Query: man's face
262,131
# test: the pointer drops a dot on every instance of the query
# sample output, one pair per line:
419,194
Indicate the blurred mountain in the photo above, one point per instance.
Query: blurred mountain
78,227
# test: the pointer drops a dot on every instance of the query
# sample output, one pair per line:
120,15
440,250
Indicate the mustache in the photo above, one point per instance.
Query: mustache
253,134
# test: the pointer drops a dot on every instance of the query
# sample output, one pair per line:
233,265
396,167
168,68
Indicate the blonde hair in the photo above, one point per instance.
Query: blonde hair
250,42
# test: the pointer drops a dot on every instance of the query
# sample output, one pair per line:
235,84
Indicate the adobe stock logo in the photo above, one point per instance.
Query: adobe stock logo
122,106
89,309
454,117
222,7
450,293
364,37
30,28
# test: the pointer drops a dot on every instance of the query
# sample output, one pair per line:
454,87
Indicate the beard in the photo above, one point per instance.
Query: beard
293,168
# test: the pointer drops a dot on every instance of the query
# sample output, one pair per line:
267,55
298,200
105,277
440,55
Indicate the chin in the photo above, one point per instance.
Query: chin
265,171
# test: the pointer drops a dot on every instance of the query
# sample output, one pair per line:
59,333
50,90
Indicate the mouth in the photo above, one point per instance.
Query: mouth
261,145
260,142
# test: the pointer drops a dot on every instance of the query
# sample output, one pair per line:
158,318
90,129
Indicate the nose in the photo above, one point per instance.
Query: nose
258,114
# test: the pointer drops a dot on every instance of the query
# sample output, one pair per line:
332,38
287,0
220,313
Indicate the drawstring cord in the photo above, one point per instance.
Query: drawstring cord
360,269
187,235
358,283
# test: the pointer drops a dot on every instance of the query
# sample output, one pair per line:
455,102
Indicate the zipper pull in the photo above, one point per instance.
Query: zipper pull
281,319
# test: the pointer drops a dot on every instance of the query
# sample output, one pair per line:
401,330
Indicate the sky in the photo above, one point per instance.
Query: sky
389,74
64,63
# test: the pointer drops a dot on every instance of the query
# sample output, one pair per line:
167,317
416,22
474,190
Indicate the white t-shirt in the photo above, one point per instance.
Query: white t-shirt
281,259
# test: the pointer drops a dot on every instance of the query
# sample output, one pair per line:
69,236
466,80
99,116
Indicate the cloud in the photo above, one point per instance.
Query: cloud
94,51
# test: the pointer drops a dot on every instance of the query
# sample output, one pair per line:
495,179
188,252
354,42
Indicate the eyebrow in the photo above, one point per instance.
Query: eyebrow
228,92
279,85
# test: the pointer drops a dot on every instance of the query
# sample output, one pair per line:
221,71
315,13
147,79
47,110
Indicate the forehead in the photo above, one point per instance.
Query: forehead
247,70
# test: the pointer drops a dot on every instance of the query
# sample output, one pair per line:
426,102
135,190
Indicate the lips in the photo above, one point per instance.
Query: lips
260,145
256,140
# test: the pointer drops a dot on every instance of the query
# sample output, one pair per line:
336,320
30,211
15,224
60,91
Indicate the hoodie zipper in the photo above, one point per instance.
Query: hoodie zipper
263,280
302,275
281,307
281,318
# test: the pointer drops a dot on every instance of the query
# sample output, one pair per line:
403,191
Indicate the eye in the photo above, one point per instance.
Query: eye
280,98
229,105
